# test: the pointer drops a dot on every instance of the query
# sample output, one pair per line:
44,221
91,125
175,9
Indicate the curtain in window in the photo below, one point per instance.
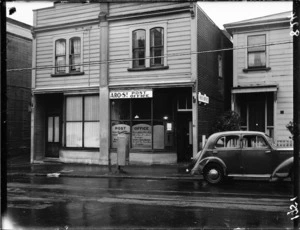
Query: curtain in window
257,54
156,46
138,46
60,56
74,121
75,54
91,121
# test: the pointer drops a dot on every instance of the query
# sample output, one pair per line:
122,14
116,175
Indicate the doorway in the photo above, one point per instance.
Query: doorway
184,136
257,116
53,143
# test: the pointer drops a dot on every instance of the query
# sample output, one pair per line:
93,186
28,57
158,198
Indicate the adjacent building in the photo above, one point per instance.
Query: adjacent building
19,53
103,69
262,90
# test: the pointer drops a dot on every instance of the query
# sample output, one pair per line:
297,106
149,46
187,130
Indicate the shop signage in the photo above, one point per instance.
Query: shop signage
202,98
142,136
136,93
117,129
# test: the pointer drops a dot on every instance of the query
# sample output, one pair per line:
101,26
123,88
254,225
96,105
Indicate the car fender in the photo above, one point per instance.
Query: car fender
201,164
287,164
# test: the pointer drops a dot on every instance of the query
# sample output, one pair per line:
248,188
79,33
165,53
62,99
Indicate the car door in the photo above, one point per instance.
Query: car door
257,158
228,149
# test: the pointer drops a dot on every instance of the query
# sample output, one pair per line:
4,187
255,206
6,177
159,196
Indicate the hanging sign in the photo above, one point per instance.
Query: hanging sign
135,93
203,98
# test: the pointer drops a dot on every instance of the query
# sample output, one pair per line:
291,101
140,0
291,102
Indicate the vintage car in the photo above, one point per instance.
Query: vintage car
242,154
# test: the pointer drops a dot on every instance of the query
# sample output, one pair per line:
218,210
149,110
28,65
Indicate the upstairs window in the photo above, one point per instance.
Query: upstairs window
257,54
67,55
75,54
157,46
148,47
60,56
138,48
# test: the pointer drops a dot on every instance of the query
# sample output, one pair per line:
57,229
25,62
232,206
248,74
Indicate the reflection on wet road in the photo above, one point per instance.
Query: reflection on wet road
132,203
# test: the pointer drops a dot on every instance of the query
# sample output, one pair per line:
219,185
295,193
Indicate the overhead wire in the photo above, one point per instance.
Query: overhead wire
168,55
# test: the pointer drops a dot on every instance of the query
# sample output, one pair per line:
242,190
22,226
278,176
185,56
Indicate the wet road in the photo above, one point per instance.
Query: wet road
66,203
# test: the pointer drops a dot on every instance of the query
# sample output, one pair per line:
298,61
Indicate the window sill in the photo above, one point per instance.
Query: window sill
148,68
67,74
257,69
91,149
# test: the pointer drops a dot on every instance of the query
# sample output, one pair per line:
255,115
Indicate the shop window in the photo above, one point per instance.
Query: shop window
146,120
82,121
256,53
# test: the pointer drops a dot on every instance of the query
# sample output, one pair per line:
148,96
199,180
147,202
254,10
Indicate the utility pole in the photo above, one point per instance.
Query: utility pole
295,24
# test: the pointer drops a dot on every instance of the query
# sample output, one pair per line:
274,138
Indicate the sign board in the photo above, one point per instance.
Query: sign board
115,130
203,98
135,93
142,136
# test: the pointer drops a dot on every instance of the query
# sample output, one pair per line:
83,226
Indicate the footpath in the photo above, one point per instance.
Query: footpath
20,166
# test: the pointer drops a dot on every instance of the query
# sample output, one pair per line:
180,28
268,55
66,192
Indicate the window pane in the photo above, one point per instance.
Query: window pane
75,63
162,106
142,136
74,134
50,129
56,129
157,37
256,59
139,58
256,40
157,53
141,109
74,108
75,54
60,47
75,46
91,108
138,38
61,64
116,129
91,134
120,110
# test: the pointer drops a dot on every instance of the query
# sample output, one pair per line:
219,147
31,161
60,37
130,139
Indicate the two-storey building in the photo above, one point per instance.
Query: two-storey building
106,68
262,90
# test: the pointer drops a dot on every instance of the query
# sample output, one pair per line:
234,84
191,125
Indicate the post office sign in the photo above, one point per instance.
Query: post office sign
135,93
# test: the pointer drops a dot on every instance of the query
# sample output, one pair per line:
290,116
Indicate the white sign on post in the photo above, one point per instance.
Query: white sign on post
136,93
203,98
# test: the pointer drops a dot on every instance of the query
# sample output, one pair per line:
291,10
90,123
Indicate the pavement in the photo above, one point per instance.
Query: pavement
21,166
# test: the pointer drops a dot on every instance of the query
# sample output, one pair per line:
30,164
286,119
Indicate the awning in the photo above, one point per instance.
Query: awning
255,89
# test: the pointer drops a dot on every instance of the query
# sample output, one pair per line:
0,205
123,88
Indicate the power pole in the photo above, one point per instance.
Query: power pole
295,24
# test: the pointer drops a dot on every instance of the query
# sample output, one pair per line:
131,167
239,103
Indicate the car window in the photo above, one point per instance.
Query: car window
254,141
228,142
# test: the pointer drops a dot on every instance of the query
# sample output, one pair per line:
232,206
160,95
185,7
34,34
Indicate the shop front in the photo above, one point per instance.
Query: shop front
157,120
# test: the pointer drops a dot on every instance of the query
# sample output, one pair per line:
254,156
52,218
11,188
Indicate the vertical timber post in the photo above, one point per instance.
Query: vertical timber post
295,23
104,91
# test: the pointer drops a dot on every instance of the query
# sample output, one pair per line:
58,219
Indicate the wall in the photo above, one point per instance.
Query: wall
210,37
18,92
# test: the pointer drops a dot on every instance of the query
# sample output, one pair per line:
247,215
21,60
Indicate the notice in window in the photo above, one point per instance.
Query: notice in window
142,136
115,130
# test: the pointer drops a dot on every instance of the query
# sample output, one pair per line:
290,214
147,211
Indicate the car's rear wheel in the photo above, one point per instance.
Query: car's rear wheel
213,173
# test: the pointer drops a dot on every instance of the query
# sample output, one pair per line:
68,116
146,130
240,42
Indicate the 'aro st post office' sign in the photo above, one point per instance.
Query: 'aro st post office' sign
202,98
135,93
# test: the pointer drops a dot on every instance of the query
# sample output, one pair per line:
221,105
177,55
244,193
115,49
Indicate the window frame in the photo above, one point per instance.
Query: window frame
83,121
266,51
67,39
147,28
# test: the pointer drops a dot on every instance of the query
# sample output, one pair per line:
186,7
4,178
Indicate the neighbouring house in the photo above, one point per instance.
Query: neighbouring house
19,61
262,90
102,69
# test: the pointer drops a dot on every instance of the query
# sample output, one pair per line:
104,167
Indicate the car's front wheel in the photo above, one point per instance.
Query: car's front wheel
213,173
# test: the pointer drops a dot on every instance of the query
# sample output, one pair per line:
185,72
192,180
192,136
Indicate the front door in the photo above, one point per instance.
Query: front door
257,116
53,143
184,136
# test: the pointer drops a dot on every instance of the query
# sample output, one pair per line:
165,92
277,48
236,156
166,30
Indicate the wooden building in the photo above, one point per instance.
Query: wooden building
262,90
107,68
